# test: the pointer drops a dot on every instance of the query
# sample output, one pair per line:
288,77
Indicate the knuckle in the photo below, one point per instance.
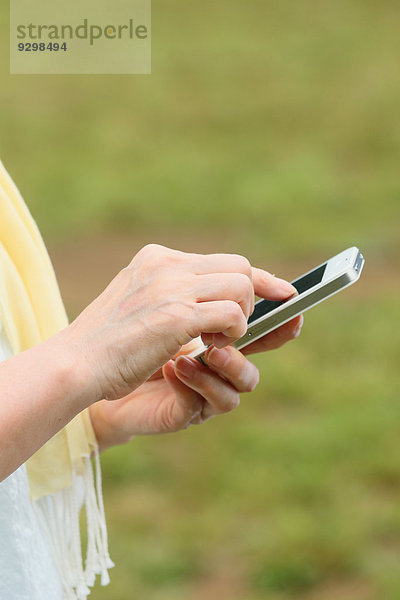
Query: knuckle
227,403
251,382
245,284
234,313
195,311
148,254
125,273
243,264
244,383
172,260
223,403
147,250
154,248
247,291
241,323
193,318
232,403
246,376
207,388
156,257
264,277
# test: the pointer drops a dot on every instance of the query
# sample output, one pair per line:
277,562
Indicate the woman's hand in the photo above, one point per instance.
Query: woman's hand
156,305
185,392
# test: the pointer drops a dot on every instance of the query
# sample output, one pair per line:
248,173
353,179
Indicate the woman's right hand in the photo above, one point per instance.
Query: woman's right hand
162,300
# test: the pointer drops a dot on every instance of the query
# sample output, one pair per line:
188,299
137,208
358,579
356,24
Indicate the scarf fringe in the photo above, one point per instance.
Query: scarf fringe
59,516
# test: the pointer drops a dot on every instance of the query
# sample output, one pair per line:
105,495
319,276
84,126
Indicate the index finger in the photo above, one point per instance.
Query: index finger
270,287
265,284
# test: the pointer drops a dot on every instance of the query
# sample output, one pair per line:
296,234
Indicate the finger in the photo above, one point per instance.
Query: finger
271,341
220,395
278,337
189,347
221,263
217,339
220,316
268,286
231,364
265,284
189,403
226,286
220,340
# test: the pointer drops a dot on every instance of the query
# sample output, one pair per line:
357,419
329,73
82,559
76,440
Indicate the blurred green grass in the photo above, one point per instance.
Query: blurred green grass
281,118
270,129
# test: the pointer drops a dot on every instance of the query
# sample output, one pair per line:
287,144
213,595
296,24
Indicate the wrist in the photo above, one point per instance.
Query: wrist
75,380
79,375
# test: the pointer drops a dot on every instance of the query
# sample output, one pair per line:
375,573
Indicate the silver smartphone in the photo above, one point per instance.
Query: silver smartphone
313,287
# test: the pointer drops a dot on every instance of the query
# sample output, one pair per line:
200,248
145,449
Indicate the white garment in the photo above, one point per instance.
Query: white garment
27,570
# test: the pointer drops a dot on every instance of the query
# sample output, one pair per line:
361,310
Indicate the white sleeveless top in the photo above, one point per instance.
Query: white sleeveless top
27,570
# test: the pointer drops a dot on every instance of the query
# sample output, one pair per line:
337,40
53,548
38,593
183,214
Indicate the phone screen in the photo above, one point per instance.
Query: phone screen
302,284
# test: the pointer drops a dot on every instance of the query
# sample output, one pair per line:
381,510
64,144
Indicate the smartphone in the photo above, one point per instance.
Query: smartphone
313,287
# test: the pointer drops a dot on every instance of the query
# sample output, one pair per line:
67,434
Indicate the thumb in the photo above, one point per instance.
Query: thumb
188,403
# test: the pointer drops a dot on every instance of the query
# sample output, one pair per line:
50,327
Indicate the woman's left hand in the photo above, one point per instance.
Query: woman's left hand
185,392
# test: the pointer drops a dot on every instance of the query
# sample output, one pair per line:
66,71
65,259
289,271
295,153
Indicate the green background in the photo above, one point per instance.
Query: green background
270,129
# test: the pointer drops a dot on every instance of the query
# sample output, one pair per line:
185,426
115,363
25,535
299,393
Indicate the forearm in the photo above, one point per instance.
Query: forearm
41,390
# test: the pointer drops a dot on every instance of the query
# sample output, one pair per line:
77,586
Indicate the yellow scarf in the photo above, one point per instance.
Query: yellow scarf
32,311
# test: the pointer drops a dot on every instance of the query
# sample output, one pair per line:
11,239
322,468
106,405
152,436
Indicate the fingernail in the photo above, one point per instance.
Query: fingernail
285,286
186,366
218,357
